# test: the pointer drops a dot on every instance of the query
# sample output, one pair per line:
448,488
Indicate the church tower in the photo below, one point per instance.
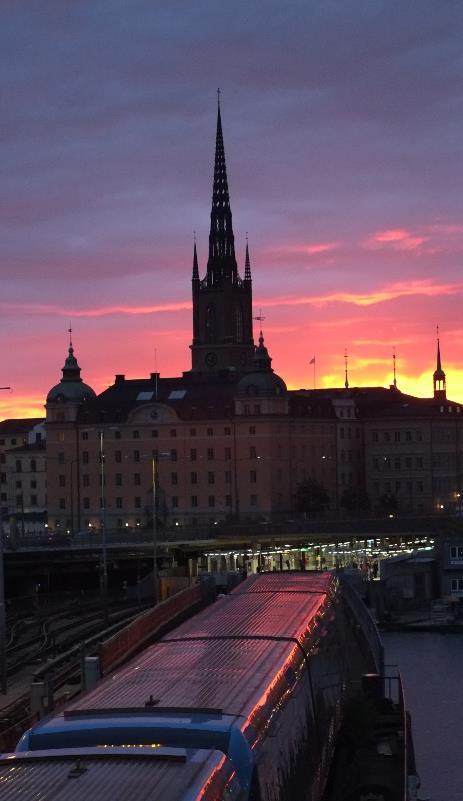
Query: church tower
222,300
440,392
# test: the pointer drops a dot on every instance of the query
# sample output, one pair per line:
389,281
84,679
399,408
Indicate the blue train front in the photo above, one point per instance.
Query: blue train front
247,695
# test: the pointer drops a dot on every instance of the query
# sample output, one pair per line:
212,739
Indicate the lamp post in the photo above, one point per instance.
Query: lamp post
3,680
103,521
154,465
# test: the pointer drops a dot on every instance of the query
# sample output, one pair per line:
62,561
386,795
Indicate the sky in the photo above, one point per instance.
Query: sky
343,139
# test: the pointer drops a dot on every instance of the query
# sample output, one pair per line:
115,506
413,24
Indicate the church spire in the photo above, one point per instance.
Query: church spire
346,379
195,276
439,381
221,263
247,263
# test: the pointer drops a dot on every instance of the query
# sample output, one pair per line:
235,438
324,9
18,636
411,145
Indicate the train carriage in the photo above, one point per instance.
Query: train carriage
261,676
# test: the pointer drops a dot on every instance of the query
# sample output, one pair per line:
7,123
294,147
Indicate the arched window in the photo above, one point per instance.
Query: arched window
210,324
239,325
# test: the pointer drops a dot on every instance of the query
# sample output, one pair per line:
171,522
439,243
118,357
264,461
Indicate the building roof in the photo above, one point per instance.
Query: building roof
19,425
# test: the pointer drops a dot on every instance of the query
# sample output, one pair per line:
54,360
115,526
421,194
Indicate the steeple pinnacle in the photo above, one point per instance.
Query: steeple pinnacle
346,379
222,262
247,263
195,276
439,381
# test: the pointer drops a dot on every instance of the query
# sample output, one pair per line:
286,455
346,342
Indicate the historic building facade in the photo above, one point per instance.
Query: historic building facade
227,440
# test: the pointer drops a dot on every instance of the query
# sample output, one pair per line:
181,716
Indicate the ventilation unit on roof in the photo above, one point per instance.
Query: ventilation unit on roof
177,394
144,396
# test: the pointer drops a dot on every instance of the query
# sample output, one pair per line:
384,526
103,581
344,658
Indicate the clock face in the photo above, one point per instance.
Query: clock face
211,359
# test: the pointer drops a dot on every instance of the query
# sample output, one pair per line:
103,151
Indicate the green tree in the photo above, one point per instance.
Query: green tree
387,504
355,501
311,498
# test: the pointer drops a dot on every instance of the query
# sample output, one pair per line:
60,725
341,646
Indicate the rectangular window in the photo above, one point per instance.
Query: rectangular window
62,481
33,484
33,466
457,585
227,476
210,453
19,500
341,433
137,479
137,502
19,485
397,486
117,435
257,408
211,501
192,434
173,432
252,431
228,500
62,503
419,461
210,432
375,436
397,463
173,455
408,436
247,408
154,433
193,478
193,455
386,436
456,552
227,431
33,500
119,503
118,479
419,486
194,501
118,456
210,478
84,435
174,478
174,501
253,500
84,457
419,436
136,435
86,503
375,463
396,436
228,454
408,462
252,476
252,452
136,456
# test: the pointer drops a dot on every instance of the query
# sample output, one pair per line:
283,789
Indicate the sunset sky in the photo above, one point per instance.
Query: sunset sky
343,137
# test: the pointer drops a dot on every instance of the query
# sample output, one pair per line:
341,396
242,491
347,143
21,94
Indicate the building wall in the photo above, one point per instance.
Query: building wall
207,470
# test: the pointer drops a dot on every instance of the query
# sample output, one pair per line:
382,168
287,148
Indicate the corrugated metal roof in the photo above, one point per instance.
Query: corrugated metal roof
220,674
62,776
225,656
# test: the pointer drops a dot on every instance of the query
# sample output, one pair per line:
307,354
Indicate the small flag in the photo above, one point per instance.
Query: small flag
312,361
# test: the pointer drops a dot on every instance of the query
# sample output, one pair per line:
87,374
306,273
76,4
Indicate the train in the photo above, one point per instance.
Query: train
241,702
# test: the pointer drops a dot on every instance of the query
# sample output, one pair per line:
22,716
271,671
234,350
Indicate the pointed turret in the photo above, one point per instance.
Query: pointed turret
439,381
247,264
222,301
195,276
71,387
221,263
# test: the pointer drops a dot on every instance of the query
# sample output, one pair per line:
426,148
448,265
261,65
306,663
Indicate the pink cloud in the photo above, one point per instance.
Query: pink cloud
308,249
397,238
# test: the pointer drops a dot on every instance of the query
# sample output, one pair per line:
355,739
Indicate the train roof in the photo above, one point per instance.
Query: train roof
223,657
232,662
116,774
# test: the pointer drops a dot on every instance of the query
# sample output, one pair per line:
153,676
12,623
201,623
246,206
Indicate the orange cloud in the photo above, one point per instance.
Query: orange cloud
398,290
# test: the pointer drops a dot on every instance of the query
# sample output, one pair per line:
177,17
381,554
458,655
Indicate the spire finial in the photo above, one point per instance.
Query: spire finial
346,381
247,262
394,367
218,98
195,276
70,334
